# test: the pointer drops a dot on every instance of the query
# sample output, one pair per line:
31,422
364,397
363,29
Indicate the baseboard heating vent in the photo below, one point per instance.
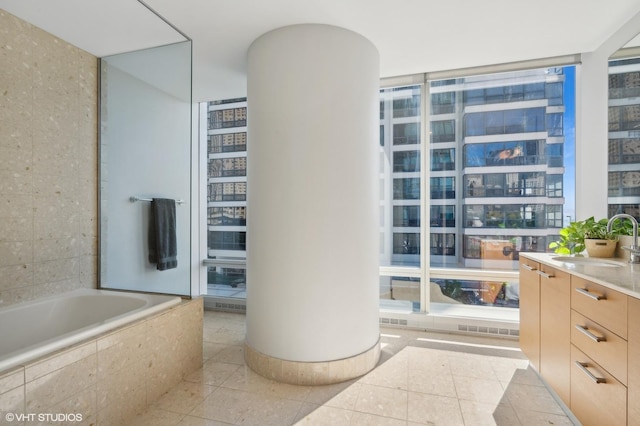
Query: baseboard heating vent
393,321
488,330
230,307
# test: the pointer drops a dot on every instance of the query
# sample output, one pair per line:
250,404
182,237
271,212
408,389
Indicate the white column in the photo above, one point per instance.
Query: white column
313,202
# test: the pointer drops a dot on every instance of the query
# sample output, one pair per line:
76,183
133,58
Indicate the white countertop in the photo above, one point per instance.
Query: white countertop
625,277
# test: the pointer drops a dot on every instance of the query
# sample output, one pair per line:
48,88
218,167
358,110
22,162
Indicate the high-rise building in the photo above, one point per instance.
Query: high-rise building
496,159
496,174
227,196
624,136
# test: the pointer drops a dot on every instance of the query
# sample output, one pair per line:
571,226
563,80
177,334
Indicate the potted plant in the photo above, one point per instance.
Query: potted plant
598,241
589,234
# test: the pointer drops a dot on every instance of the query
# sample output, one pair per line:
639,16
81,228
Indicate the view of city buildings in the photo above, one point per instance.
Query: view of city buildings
497,183
624,137
227,196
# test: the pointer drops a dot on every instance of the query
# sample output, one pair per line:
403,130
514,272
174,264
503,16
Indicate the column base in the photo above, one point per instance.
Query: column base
312,373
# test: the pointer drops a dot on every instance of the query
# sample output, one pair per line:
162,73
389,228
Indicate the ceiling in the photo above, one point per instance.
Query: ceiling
412,36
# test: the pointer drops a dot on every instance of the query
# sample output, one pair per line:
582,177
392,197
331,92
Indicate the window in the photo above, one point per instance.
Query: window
510,93
406,189
443,216
406,216
443,244
221,240
555,127
443,188
406,243
406,104
554,216
516,129
624,136
504,122
406,134
227,197
226,118
231,191
443,159
443,103
406,161
227,216
503,216
624,151
623,84
624,184
505,185
554,185
224,167
443,131
229,142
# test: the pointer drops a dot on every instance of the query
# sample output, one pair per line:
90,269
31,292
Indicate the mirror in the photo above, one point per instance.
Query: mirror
624,130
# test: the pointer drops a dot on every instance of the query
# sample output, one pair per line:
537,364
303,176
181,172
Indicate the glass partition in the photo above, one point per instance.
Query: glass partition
145,153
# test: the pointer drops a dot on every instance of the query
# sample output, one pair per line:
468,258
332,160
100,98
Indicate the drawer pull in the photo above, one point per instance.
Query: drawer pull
528,268
545,274
589,334
587,293
583,366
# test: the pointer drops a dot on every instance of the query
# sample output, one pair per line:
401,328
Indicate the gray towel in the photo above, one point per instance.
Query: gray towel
163,248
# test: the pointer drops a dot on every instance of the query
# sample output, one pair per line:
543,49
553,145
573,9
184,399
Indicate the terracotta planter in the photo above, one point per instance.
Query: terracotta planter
600,248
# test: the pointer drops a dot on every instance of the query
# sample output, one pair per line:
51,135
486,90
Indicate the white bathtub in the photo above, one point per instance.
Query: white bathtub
33,329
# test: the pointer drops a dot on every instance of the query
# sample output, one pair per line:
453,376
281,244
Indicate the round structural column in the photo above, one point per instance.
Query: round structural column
312,207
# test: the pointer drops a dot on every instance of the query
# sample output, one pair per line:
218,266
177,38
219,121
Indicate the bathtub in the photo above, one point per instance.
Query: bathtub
36,328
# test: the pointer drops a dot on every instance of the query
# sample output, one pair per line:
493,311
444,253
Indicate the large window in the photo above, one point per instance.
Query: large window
226,198
495,174
492,170
517,128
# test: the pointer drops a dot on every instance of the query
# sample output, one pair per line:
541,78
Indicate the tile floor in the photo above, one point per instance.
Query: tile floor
423,378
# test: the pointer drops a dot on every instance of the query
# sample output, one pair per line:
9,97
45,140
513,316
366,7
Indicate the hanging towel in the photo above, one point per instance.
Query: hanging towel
163,249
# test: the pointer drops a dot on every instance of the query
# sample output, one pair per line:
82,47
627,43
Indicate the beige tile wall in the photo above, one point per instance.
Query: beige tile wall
48,164
109,379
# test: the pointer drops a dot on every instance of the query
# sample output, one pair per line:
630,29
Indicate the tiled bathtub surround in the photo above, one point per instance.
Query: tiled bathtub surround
113,377
48,164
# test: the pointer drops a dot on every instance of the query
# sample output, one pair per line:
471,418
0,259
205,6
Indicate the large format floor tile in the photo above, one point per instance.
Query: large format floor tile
423,378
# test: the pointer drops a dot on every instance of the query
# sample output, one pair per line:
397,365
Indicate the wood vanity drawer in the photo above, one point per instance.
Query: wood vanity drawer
605,306
597,398
604,347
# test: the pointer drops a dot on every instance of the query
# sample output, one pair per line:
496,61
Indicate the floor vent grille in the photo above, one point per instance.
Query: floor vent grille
231,307
393,321
488,330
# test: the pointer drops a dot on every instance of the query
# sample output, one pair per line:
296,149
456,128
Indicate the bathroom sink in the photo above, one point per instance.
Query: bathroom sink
588,261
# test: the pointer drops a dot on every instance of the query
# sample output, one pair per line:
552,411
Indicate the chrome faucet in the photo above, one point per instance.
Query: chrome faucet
634,250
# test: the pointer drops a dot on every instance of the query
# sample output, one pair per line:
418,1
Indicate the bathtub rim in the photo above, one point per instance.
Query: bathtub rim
40,350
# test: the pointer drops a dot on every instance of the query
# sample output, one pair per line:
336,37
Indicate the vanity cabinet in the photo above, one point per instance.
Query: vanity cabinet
598,353
633,369
587,350
530,310
605,306
544,322
555,332
597,398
